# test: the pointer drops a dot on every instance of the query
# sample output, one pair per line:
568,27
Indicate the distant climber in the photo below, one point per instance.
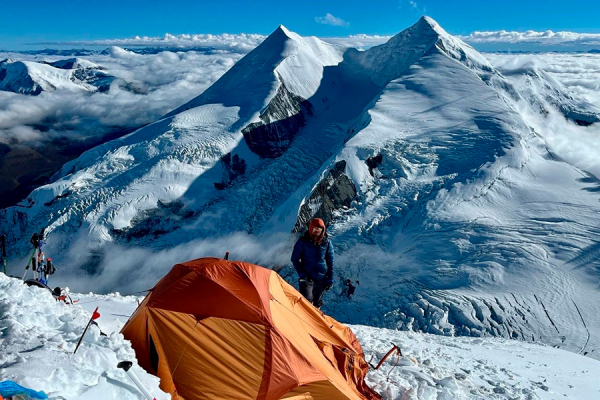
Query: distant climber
313,259
349,288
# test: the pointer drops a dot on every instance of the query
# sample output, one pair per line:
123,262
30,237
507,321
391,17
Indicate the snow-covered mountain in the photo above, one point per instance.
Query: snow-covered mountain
32,78
87,72
441,201
29,77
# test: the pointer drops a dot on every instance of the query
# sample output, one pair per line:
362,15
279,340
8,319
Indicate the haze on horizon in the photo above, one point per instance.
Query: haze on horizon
504,26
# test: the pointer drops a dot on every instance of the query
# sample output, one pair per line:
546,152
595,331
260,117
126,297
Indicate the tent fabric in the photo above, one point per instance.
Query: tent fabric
219,329
13,389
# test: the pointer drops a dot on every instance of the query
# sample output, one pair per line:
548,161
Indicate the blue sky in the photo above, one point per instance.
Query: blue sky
37,21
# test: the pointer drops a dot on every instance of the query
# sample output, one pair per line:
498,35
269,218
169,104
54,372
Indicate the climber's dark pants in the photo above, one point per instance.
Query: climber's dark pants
313,291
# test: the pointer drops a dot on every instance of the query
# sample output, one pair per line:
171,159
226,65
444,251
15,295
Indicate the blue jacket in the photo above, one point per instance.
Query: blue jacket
313,261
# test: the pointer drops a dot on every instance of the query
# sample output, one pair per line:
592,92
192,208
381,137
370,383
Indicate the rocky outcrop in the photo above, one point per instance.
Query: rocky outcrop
83,71
154,223
93,77
374,162
280,121
333,193
232,168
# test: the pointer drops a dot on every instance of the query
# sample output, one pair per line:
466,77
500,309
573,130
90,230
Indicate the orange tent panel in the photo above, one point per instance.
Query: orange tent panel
217,329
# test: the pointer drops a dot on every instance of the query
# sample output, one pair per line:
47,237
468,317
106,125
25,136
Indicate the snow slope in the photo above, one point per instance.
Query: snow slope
38,336
467,225
35,331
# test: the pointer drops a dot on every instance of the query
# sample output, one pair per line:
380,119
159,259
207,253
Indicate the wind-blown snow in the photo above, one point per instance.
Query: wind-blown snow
441,368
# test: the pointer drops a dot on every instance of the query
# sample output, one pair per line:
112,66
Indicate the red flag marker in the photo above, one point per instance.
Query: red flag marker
95,315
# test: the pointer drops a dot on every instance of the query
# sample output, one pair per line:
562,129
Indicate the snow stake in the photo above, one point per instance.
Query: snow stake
3,249
95,315
126,366
389,353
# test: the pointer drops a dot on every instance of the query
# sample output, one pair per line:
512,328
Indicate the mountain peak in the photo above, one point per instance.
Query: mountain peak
425,31
281,34
283,29
429,21
387,61
73,63
428,25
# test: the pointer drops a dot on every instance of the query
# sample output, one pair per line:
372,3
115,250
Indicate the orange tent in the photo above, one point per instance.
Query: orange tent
217,329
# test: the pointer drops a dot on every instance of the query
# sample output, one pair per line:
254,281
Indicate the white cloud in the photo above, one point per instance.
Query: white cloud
411,5
130,269
534,37
360,41
240,43
329,19
170,78
580,73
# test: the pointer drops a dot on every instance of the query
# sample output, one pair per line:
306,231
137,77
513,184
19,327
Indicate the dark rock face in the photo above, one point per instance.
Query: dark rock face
374,162
232,168
94,77
580,118
165,218
333,193
280,121
135,88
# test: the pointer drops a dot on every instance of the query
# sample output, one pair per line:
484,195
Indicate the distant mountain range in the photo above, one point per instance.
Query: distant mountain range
30,77
201,49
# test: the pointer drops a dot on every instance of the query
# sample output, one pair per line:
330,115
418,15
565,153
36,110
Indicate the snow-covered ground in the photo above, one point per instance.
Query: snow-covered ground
441,368
38,336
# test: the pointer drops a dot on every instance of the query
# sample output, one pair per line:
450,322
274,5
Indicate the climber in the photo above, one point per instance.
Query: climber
313,259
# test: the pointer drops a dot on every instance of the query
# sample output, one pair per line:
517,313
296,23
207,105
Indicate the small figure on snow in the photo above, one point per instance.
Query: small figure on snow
313,259
349,288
